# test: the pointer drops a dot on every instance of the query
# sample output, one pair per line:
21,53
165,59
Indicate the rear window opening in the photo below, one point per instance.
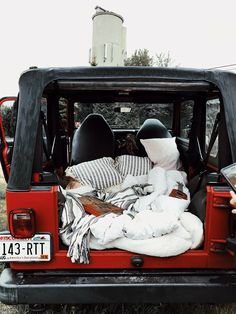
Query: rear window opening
122,157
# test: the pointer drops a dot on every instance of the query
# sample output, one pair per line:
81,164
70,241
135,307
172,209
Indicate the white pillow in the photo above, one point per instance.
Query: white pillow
133,165
162,152
99,173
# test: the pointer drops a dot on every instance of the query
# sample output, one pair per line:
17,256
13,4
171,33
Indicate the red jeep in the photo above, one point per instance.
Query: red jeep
68,118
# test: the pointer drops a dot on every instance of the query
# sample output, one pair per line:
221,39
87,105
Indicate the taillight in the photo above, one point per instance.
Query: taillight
22,223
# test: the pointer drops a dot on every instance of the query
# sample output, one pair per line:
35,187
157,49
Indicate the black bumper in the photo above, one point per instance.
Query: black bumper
76,287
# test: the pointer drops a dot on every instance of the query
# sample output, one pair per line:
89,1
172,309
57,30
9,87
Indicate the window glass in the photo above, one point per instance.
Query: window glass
212,108
63,103
8,114
46,145
125,115
186,115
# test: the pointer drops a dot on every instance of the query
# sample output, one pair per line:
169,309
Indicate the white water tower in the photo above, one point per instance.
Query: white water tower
109,39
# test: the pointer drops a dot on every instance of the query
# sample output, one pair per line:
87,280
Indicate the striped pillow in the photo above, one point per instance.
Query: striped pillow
134,165
99,173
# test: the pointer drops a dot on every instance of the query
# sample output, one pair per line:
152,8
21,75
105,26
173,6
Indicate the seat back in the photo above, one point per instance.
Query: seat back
197,205
92,140
151,128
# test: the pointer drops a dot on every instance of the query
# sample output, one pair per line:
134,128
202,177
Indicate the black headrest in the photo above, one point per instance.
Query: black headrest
92,140
151,128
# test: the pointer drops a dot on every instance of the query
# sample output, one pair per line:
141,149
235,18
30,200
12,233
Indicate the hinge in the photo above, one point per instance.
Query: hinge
231,246
224,246
221,202
218,246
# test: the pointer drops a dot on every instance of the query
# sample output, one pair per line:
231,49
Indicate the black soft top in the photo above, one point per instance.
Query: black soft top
32,84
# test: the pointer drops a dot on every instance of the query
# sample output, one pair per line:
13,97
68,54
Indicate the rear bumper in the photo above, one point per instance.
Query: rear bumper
74,287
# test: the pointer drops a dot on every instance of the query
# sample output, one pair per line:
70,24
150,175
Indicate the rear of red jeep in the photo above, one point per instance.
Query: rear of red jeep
52,103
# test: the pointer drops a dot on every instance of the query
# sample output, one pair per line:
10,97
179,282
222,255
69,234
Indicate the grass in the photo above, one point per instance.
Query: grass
3,222
126,309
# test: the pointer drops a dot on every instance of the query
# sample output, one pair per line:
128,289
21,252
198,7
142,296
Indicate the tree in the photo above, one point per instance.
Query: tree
163,60
140,57
9,120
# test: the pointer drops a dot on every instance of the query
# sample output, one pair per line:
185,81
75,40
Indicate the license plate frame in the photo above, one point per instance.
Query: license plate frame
35,249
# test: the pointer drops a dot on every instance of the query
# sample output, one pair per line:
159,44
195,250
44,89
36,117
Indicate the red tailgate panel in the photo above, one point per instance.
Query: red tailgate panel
45,205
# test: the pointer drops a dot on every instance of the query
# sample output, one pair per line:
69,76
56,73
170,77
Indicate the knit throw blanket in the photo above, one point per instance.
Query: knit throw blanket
75,229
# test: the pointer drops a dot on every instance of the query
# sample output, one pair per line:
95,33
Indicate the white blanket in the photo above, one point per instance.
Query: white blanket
154,223
174,243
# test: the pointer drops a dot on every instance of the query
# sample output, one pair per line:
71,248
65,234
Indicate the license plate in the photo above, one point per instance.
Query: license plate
35,249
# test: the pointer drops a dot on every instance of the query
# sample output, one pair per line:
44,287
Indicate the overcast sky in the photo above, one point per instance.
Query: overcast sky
47,33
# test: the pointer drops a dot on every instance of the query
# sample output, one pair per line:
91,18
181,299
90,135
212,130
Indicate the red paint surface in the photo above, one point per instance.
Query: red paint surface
216,231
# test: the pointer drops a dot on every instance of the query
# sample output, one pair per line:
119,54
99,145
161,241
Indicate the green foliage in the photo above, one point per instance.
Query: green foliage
140,57
9,120
163,60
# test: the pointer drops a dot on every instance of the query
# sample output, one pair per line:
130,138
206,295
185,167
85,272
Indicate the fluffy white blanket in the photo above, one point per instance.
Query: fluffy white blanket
187,235
156,224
